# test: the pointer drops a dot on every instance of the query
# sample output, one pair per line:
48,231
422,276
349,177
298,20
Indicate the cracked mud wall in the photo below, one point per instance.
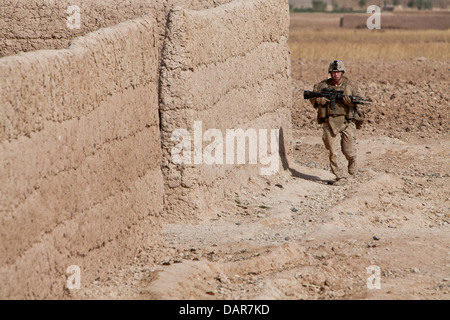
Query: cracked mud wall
81,182
27,25
226,68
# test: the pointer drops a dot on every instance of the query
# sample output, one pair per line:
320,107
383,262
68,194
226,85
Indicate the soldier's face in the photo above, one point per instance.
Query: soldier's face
336,75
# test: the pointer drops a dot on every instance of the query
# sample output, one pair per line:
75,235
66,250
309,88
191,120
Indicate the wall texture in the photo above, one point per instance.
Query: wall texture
86,131
80,147
227,68
27,25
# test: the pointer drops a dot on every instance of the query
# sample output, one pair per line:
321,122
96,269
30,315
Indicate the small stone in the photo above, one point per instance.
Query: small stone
222,278
376,238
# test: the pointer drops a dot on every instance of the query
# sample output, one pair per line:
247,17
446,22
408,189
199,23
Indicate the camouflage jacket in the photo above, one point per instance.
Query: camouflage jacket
342,114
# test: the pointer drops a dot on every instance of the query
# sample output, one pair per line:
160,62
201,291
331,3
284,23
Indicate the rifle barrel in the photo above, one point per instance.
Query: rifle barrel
330,93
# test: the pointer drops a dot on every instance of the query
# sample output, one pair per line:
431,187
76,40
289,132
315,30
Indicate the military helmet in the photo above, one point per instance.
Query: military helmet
336,65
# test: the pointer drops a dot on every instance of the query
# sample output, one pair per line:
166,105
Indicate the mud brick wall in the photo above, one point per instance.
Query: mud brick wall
227,68
85,130
27,25
81,182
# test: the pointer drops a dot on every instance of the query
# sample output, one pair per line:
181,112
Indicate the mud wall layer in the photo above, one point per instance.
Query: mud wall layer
81,181
27,25
226,68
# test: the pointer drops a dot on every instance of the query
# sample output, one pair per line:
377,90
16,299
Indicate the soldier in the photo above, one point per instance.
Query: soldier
339,124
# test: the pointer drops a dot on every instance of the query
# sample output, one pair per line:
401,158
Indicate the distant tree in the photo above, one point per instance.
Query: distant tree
362,3
411,3
319,5
421,4
428,4
395,2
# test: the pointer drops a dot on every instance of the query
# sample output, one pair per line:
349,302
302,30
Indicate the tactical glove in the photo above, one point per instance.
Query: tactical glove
322,100
347,101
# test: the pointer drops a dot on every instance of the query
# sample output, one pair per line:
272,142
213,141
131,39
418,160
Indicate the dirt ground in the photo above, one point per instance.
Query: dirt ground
300,238
295,236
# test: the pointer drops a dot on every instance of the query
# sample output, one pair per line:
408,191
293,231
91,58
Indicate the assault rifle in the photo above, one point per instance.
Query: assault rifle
333,95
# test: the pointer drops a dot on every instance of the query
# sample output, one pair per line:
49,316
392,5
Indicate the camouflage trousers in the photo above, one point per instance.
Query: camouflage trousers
344,141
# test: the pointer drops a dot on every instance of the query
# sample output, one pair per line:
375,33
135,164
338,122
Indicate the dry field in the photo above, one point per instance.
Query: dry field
323,39
304,239
364,44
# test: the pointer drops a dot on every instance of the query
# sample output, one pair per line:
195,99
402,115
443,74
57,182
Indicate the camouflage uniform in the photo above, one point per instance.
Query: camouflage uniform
339,126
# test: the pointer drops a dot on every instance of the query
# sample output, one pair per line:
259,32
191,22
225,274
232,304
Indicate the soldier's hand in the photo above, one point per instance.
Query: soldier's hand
347,101
322,100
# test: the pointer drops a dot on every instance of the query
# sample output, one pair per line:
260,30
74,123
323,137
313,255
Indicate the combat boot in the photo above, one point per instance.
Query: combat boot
352,168
340,182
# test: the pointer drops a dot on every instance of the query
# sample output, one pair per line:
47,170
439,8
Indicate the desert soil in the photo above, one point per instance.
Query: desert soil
294,236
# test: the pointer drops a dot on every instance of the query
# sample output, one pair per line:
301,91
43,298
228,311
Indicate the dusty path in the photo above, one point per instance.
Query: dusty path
297,237
316,241
304,239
